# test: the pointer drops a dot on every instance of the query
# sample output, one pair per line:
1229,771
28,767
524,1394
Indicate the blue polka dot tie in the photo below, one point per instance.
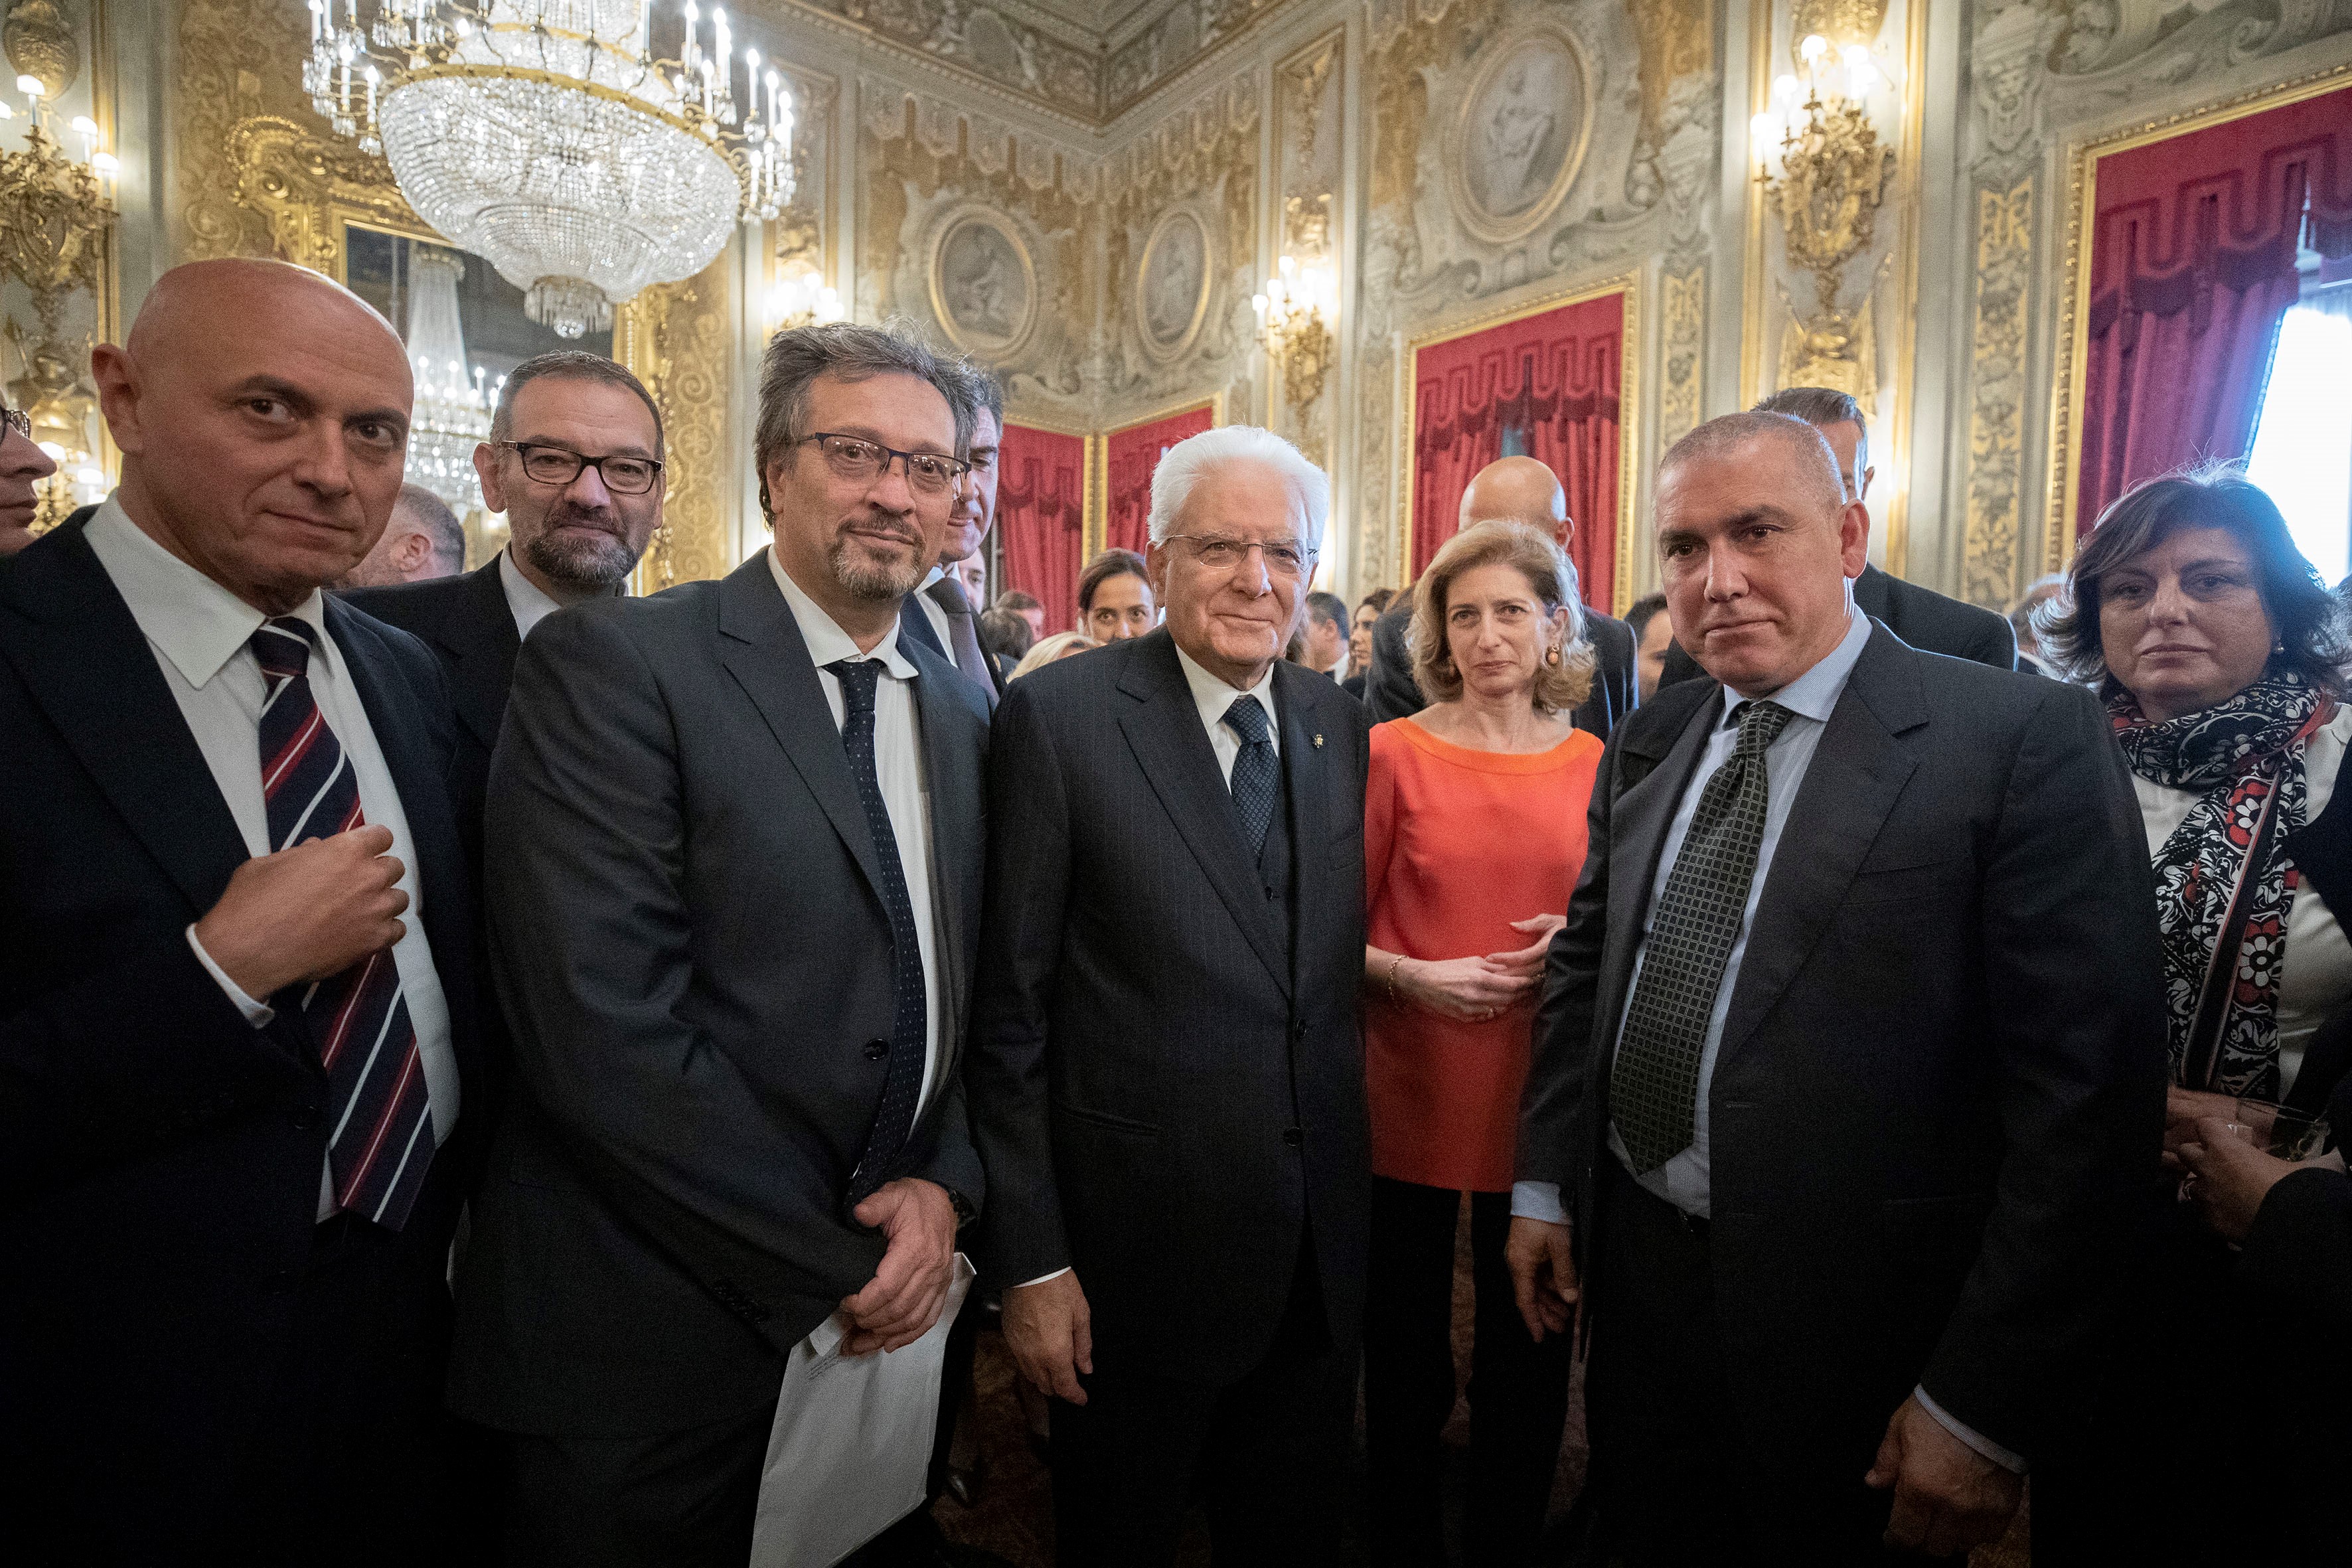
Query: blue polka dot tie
902,1081
1653,1087
1256,780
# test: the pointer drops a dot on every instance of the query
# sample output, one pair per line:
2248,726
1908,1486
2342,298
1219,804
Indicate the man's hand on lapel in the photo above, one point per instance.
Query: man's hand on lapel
1948,1497
903,1300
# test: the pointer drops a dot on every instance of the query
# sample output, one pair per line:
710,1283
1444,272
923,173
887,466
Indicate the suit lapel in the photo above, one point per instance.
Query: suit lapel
1857,772
1178,762
951,772
1303,765
482,643
88,666
768,657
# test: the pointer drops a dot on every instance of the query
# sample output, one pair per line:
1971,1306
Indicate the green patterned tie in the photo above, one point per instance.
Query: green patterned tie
1654,1088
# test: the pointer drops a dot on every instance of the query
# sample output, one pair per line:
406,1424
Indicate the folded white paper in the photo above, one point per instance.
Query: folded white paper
851,1447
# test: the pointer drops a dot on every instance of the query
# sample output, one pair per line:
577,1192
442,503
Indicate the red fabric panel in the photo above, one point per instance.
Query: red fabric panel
1553,375
1129,458
1041,504
2193,265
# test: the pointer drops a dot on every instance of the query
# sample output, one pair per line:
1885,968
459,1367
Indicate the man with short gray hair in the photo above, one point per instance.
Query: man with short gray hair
1167,1082
733,870
423,542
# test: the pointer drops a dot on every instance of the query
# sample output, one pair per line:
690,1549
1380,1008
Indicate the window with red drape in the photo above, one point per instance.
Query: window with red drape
2193,265
1544,386
1129,456
1041,507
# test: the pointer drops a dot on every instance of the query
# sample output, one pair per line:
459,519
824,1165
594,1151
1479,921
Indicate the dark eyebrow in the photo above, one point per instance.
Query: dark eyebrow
2210,562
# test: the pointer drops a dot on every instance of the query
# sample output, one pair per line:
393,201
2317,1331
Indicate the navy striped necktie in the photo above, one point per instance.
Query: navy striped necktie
380,1143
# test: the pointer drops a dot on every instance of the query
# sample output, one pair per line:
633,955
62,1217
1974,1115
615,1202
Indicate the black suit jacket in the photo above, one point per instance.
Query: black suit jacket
1162,1095
1392,693
1942,1075
160,1156
1920,617
688,936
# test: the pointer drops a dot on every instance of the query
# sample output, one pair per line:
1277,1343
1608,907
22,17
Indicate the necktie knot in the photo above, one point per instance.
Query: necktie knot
282,645
1247,718
1760,724
858,677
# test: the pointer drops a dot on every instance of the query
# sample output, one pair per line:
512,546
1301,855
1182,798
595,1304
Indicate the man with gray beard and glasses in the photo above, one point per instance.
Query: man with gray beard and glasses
732,876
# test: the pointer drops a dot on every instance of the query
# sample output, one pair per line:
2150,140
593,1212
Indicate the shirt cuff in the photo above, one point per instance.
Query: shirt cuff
257,1014
1538,1200
1056,1274
2013,1463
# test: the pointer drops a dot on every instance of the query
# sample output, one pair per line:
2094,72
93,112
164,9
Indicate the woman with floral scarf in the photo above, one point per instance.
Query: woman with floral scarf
2221,655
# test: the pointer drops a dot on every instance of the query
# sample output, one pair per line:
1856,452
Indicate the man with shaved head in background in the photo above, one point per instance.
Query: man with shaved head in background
237,1032
1520,490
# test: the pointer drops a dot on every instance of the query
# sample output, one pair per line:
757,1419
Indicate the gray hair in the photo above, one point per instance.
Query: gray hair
795,359
1189,461
1724,434
1822,406
433,520
569,365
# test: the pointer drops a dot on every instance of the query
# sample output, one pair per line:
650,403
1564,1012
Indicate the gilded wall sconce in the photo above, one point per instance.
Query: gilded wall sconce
1295,318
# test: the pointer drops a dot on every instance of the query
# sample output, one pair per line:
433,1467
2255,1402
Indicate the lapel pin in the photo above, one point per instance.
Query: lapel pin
1318,743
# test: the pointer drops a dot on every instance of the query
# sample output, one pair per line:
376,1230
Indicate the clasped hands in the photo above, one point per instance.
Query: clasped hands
1475,989
2225,1175
1948,1497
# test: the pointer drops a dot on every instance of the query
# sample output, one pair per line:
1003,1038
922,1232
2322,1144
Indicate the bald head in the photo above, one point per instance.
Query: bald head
1519,490
262,413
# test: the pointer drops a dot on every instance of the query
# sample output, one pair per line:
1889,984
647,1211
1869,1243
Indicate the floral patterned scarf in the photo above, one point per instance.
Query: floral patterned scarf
2245,756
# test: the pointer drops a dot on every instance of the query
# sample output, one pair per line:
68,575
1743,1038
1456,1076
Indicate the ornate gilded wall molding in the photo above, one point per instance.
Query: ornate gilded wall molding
308,187
679,340
1681,307
1998,375
1310,91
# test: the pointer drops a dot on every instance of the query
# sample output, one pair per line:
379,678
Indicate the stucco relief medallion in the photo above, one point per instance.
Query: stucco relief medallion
1517,142
1172,285
984,285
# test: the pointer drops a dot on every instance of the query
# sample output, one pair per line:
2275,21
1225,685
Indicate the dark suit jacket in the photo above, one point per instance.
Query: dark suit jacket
688,936
1392,693
1942,1076
1162,1096
160,1156
1920,617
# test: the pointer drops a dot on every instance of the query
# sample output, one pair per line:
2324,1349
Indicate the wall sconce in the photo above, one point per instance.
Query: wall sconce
55,212
1831,181
1295,318
800,299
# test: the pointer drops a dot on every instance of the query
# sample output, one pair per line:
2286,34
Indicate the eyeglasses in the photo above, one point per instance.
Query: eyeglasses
623,475
17,419
1284,557
861,461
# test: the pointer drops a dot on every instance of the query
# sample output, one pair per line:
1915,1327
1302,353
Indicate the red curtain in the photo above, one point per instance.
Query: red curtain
1040,503
1550,378
1129,458
2193,265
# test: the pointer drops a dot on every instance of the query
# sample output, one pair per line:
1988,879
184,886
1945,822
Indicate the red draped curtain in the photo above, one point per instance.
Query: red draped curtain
1545,386
2193,265
1129,458
1041,510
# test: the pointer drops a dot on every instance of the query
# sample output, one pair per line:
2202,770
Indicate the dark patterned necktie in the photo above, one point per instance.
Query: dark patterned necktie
1257,779
380,1144
970,658
1654,1088
902,1081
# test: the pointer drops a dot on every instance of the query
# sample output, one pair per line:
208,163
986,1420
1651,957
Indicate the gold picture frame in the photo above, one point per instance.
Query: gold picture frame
1168,221
1629,414
1003,346
1506,228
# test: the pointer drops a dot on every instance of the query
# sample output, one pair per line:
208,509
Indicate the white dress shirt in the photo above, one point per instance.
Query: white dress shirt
527,602
1212,696
935,611
201,635
897,767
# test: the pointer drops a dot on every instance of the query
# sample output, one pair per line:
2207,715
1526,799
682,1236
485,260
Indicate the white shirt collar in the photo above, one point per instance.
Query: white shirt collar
199,624
1212,696
827,643
1816,692
527,602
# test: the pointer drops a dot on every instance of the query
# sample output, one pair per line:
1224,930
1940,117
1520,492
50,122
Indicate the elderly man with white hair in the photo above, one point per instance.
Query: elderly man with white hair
1166,1083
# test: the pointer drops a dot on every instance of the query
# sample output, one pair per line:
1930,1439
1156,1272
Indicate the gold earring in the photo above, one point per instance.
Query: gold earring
1552,657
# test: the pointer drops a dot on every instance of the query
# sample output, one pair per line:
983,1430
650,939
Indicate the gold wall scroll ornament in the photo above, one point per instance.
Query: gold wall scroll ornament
57,224
2072,354
1683,311
1629,417
1833,178
982,280
1999,375
311,188
1842,22
40,43
1517,140
678,339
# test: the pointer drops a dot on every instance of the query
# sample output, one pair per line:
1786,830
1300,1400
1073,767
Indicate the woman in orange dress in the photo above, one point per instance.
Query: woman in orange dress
1473,835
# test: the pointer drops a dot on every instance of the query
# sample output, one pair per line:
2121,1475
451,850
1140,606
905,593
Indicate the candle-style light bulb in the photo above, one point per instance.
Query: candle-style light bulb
1812,47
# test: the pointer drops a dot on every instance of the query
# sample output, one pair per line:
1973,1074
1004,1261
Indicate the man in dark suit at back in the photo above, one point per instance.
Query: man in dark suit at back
1167,1082
574,461
733,863
1849,1058
1521,490
1920,617
949,624
238,1052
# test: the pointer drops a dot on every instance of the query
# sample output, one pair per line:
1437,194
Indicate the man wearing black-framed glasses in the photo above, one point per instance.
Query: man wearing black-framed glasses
22,467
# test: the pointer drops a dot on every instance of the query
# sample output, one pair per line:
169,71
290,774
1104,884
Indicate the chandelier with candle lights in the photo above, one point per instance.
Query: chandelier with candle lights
544,136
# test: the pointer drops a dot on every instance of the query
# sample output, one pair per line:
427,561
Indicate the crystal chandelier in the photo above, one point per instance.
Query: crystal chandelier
452,415
543,136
